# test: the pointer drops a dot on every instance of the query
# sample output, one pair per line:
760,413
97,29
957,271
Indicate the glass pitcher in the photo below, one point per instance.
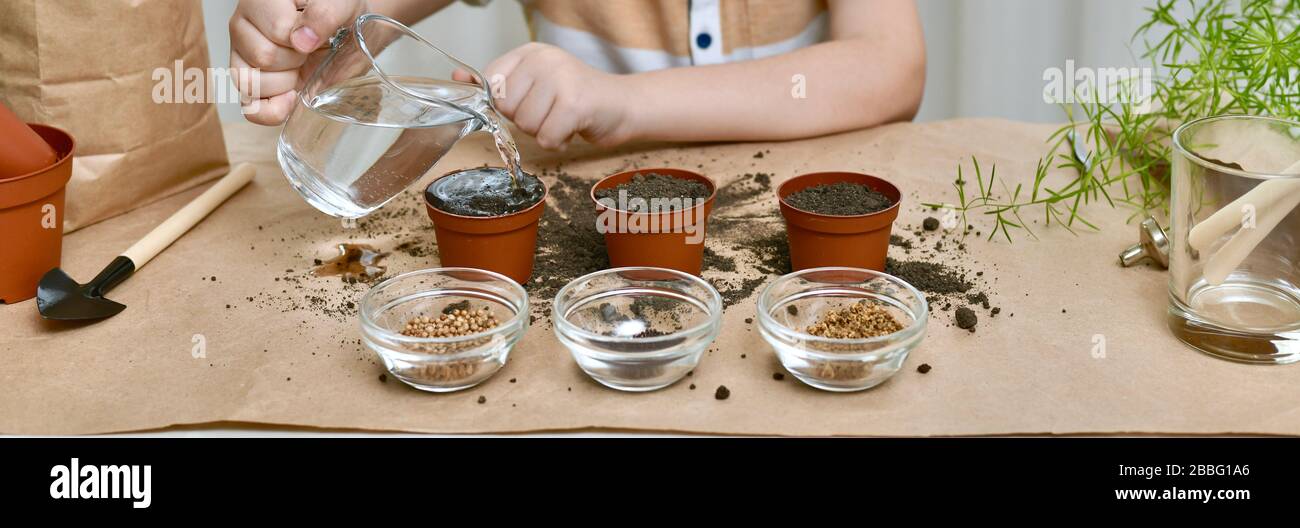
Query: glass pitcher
377,113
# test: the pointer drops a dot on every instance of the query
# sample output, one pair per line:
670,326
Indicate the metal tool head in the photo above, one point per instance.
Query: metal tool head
1152,244
60,298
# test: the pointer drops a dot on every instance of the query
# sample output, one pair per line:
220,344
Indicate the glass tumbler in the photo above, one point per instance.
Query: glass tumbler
1234,263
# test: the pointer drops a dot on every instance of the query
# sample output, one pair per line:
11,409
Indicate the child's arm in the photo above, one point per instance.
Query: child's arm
871,72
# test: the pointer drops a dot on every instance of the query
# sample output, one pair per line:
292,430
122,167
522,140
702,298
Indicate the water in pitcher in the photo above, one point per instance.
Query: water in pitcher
359,144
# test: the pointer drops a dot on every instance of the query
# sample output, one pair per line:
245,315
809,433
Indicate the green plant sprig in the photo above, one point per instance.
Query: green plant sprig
1226,57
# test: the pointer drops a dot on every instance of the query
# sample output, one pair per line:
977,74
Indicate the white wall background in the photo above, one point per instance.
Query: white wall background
986,57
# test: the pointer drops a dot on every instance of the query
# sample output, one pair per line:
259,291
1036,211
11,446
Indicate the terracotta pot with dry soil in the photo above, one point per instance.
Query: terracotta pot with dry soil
838,219
663,237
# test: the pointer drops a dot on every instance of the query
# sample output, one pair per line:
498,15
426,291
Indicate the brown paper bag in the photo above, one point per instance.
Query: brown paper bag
92,67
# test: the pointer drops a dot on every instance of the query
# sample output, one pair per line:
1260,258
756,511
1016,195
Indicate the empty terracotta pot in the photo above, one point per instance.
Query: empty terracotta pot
23,151
504,244
818,240
31,219
673,240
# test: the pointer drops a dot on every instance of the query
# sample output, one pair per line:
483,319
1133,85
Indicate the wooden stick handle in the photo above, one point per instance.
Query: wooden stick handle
1228,218
177,224
1273,200
1236,249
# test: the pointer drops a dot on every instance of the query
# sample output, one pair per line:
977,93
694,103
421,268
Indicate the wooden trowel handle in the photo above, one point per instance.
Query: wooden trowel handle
173,227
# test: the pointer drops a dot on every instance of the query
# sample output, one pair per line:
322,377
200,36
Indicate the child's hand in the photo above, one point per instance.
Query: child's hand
278,40
553,95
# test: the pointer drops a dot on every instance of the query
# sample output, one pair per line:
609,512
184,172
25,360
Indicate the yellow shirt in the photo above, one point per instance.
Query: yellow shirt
624,36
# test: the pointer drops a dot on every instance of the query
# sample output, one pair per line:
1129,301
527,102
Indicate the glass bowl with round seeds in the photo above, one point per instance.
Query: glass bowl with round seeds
639,328
444,329
842,329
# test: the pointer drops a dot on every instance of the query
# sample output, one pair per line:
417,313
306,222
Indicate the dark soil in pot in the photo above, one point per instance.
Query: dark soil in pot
643,188
840,199
487,191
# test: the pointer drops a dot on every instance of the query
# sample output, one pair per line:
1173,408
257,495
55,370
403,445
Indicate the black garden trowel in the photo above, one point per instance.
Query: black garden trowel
60,298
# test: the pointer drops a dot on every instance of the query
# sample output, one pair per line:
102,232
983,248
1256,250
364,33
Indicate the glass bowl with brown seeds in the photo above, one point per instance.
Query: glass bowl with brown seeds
444,329
842,329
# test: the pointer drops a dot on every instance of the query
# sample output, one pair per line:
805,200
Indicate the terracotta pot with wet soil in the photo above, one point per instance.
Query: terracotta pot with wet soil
659,230
482,220
838,219
31,219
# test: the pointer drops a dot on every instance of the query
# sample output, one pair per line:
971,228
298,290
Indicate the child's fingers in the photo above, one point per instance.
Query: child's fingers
271,111
506,64
276,83
535,106
508,86
260,83
274,19
460,75
259,51
319,20
510,92
559,126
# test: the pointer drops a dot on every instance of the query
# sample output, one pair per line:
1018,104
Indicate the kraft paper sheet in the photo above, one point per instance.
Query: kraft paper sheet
1036,372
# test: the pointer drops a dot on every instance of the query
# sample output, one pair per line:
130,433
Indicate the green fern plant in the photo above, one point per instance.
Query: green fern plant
1225,57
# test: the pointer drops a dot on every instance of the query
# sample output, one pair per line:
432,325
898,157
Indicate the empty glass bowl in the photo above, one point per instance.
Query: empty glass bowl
792,303
637,329
452,362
